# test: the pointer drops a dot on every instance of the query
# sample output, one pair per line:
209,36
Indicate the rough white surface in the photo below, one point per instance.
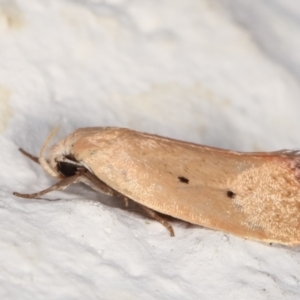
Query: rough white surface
222,73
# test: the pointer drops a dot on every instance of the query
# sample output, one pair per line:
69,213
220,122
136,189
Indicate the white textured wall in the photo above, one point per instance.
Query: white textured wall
222,73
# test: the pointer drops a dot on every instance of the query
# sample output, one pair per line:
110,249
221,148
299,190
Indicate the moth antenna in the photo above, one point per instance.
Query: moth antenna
44,163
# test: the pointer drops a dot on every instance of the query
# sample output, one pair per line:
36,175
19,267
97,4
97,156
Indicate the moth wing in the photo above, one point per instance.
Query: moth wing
250,195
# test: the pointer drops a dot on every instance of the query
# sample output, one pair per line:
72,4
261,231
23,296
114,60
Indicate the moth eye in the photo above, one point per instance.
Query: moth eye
66,169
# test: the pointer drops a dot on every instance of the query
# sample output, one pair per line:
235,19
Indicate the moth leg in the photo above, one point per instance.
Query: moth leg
98,184
126,202
61,185
32,157
151,213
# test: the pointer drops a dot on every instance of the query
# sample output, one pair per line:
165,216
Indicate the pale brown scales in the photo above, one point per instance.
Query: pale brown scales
145,168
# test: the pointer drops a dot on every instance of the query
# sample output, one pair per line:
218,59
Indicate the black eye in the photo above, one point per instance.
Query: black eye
66,169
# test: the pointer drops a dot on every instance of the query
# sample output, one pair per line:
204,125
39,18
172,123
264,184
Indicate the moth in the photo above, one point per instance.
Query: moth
250,195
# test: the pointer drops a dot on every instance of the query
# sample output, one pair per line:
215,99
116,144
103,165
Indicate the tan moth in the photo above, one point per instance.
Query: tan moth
251,195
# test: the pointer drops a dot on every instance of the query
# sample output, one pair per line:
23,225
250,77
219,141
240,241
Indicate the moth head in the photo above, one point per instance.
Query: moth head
61,161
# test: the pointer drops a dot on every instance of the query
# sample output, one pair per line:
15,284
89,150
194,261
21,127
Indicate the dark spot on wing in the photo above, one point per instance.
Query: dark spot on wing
183,179
230,194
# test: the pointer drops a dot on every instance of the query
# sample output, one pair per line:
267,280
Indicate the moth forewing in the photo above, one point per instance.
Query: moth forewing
252,195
